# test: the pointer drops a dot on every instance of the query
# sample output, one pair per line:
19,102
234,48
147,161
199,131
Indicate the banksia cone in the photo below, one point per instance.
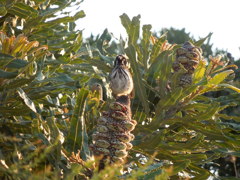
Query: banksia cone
113,133
188,56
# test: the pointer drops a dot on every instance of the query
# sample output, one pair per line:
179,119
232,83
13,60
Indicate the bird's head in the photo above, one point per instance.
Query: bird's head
122,61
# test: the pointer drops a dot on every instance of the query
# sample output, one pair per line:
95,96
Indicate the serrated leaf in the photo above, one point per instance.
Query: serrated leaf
76,136
132,28
26,99
137,78
145,42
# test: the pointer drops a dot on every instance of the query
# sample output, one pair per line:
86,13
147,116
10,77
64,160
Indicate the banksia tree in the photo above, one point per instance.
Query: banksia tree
47,111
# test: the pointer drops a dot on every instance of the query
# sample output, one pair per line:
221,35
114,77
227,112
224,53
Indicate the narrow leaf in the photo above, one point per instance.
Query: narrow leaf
199,72
137,78
218,78
76,135
201,41
229,87
26,100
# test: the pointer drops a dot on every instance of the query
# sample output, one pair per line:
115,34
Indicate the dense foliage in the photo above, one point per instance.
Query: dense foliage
48,111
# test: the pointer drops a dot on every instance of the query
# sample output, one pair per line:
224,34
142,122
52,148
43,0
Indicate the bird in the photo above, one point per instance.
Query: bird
121,82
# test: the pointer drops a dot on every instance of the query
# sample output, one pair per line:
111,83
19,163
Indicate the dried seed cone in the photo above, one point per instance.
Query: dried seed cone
188,56
113,133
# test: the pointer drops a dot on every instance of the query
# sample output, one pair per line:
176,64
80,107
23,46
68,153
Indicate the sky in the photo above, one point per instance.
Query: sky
199,17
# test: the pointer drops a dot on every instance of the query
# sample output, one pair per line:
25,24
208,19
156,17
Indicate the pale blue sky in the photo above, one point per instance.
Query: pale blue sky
199,17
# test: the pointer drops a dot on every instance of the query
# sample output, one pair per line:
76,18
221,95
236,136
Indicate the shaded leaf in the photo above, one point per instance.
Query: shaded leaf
26,100
137,78
76,135
17,64
7,75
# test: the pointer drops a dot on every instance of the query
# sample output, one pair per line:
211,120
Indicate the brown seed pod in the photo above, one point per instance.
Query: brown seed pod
118,145
192,55
176,66
117,159
125,137
134,122
102,144
102,129
132,136
189,46
182,59
121,153
181,51
97,135
129,146
127,126
185,80
99,151
116,106
102,120
118,115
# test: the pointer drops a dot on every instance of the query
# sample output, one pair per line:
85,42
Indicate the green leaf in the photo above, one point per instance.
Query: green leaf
168,100
23,10
17,64
201,41
132,28
126,22
7,75
26,99
77,134
145,42
79,15
19,111
199,72
152,171
202,173
229,87
17,83
165,71
177,167
105,37
137,78
5,59
18,127
156,49
218,78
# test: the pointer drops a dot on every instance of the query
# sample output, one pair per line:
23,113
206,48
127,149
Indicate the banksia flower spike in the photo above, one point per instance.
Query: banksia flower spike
113,133
188,56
